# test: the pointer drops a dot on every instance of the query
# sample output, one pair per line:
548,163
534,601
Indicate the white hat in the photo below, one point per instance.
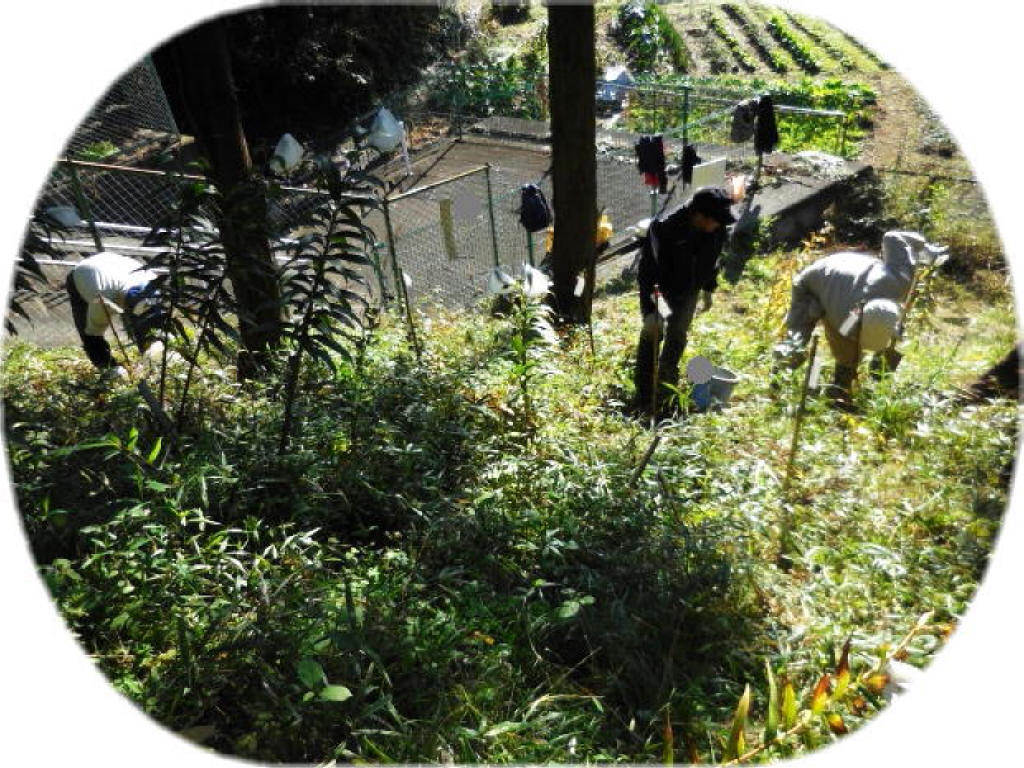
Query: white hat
879,321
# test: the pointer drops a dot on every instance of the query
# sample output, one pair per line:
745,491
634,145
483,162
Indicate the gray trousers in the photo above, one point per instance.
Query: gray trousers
672,334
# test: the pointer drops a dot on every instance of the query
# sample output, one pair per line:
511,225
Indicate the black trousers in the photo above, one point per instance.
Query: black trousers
672,334
96,347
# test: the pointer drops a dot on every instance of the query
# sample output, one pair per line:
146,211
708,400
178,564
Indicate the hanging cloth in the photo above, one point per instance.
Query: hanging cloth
650,161
744,118
690,159
766,137
534,211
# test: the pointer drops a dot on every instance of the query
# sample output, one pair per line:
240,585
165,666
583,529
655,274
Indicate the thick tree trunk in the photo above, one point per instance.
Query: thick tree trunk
197,66
573,168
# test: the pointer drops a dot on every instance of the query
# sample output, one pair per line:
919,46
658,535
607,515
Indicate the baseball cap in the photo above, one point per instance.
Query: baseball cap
715,203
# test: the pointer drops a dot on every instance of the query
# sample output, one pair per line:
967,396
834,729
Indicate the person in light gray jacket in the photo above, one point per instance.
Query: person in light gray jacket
105,285
859,299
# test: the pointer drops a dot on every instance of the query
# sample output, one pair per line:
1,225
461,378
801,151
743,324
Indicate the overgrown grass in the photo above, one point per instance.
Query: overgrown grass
440,568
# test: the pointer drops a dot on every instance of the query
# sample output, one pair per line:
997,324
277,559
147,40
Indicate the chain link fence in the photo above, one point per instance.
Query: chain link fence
445,236
130,122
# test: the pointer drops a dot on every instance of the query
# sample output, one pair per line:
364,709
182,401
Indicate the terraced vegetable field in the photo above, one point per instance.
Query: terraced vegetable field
725,36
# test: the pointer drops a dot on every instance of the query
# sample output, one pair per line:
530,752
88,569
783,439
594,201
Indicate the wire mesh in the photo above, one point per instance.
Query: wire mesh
131,119
446,238
441,238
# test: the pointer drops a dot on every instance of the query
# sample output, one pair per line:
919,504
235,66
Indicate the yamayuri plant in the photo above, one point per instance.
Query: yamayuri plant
192,286
323,279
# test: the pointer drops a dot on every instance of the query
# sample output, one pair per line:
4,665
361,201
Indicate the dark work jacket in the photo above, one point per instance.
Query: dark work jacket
677,258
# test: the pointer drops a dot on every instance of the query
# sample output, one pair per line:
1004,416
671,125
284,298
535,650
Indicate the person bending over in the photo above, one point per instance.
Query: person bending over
108,284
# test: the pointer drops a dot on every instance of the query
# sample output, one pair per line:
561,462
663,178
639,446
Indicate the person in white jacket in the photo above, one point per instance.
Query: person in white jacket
109,284
859,300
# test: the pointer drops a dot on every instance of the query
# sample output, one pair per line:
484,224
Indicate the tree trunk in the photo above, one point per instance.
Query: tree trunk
1001,380
197,66
572,80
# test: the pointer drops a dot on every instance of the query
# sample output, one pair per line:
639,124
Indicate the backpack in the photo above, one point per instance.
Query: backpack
534,212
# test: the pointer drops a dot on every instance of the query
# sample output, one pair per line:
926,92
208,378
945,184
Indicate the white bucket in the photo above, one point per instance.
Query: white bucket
723,382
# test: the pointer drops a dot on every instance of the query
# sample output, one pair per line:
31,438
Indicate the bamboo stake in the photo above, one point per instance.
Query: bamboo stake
798,423
656,352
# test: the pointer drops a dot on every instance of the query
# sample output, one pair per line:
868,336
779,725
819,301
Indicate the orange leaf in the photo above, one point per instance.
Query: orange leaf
876,683
843,671
691,749
820,695
858,705
836,724
844,658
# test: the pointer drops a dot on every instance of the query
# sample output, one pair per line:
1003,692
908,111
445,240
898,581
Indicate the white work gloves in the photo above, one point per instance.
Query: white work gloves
705,301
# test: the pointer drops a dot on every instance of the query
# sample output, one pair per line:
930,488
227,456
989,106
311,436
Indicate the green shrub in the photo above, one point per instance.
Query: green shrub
456,557
649,37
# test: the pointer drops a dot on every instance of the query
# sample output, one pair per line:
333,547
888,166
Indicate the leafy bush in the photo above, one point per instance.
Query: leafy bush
511,88
457,558
648,37
511,11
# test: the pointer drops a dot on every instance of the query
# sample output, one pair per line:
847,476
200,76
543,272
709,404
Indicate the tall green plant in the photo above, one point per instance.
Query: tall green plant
192,288
323,287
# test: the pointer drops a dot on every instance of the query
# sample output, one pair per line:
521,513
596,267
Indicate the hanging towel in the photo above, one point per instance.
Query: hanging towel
744,118
690,159
650,161
447,228
766,137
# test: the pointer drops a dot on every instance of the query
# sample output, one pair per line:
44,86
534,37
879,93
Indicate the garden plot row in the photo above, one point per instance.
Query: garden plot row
743,38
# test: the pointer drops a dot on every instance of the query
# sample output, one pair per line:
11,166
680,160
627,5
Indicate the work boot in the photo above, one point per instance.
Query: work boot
840,391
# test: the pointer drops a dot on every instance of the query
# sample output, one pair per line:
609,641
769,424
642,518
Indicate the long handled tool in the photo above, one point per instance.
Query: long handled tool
656,352
783,560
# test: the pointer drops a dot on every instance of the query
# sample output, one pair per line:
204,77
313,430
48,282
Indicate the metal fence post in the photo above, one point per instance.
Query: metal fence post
490,213
400,288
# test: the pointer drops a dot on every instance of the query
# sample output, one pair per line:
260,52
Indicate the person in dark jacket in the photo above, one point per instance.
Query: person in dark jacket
678,264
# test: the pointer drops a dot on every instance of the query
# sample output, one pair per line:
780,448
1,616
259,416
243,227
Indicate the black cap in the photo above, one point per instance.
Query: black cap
713,202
